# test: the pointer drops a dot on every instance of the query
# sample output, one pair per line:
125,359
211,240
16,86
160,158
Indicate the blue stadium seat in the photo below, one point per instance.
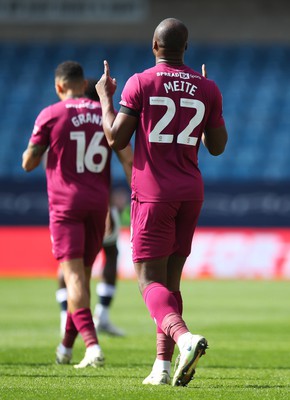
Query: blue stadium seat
254,80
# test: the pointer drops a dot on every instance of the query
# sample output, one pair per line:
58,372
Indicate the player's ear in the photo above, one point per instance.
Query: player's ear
58,87
155,47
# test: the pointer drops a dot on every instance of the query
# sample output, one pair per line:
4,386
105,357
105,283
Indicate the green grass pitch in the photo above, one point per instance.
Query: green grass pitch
247,324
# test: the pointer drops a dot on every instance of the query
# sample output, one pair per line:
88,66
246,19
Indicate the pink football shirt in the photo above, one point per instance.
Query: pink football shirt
176,104
78,159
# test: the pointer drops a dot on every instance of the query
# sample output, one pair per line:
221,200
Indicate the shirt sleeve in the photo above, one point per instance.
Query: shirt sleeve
131,94
41,130
216,118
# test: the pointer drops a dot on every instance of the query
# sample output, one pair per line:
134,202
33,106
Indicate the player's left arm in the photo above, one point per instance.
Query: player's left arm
32,156
215,140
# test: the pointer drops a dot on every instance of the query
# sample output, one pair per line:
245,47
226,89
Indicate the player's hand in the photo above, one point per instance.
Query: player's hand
204,71
106,86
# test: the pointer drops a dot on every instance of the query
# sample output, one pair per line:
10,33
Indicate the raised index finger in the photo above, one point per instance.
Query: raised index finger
106,68
204,71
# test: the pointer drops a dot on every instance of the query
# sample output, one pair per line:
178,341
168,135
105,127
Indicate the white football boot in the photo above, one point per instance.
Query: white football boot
187,361
107,327
157,378
63,354
93,358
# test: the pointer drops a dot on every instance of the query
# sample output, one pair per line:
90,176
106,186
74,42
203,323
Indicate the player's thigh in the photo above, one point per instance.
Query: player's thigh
186,222
67,234
153,230
94,234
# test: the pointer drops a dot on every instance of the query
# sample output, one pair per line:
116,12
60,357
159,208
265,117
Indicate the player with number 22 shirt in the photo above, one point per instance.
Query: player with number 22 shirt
171,108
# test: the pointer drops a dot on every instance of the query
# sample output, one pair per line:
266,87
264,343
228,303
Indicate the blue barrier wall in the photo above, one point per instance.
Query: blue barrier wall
226,204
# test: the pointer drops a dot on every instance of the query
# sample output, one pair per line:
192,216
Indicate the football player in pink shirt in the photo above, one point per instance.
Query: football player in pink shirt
106,288
78,186
172,108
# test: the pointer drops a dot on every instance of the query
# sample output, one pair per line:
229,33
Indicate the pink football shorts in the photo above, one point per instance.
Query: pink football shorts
161,229
77,234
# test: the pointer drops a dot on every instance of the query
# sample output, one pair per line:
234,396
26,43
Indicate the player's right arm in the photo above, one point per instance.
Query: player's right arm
126,158
118,128
32,156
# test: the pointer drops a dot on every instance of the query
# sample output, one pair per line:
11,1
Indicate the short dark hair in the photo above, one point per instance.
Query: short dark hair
91,92
69,71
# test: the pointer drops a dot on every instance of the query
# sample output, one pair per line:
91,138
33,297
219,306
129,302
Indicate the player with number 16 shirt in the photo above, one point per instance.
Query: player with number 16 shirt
78,153
78,186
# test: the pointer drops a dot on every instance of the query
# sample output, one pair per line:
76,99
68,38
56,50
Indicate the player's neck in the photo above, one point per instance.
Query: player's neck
75,96
170,61
70,94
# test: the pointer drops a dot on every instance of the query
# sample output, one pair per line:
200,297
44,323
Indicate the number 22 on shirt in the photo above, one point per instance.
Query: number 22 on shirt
183,137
